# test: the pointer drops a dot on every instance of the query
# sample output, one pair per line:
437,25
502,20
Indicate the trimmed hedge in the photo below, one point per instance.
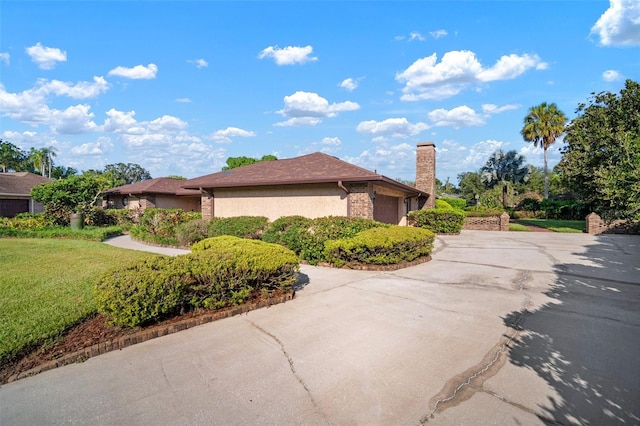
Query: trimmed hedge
193,231
456,203
288,231
441,204
440,221
380,246
239,226
222,271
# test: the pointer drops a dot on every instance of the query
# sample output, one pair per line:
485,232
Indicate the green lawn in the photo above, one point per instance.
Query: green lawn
556,225
46,286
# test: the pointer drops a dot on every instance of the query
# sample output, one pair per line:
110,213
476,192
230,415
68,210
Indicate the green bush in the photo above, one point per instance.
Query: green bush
288,231
220,272
158,226
97,216
456,203
25,221
250,227
380,246
193,231
440,221
441,204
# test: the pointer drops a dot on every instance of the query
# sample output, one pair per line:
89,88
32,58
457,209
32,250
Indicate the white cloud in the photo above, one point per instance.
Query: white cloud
461,116
46,57
350,84
5,57
394,127
495,109
139,72
199,63
453,156
288,55
438,33
231,132
306,108
183,100
73,120
79,90
335,141
415,35
100,147
619,25
395,161
166,123
611,75
122,123
428,79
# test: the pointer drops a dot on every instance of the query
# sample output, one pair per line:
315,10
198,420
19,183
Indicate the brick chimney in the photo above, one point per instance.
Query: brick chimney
426,172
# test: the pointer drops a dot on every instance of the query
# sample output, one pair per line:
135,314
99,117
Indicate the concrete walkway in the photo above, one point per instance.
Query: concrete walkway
499,328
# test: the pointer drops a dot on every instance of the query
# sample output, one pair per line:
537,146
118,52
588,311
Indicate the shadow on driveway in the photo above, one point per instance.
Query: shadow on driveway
586,344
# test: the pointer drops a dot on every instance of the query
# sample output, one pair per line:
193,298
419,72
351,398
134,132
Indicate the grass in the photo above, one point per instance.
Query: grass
88,233
47,286
556,225
518,227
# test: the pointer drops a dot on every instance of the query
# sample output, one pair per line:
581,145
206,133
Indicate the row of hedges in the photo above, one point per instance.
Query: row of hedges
531,208
443,219
220,272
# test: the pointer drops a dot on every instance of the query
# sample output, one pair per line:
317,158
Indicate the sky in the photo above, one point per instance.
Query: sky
178,87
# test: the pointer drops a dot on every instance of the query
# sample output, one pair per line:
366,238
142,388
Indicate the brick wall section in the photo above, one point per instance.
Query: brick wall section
206,206
426,171
148,202
361,201
490,223
595,225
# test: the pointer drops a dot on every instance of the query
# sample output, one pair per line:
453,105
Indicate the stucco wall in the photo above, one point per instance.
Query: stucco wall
188,204
273,202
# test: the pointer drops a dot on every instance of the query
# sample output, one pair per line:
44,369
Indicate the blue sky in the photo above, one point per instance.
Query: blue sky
178,87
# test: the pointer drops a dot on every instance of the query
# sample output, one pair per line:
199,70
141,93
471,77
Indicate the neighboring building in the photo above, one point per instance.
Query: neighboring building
316,185
15,193
162,193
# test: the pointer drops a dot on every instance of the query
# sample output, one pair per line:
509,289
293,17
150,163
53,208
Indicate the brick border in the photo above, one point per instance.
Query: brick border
148,334
367,267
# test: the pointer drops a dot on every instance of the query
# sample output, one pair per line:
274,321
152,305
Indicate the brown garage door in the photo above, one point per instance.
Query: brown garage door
10,208
385,209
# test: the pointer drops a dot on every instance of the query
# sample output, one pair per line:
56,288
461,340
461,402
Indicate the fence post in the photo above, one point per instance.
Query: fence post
504,222
593,224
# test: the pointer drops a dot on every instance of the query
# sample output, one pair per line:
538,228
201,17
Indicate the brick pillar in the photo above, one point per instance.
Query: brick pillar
504,222
206,205
593,224
426,172
361,200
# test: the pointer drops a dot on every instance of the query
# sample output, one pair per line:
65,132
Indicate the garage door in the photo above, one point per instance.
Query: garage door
10,208
385,209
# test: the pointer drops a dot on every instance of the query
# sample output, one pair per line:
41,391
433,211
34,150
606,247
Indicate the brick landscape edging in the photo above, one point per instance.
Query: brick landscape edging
148,334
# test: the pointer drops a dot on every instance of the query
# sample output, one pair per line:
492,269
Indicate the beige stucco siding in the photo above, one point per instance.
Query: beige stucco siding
188,204
273,202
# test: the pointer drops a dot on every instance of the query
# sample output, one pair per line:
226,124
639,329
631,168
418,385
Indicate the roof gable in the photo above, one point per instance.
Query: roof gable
163,185
20,183
311,168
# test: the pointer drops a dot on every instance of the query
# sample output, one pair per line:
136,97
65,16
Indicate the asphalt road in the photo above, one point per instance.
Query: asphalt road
499,328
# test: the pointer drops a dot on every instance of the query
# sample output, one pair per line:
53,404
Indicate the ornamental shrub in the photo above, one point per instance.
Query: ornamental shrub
380,246
158,226
440,221
456,203
191,232
288,231
441,204
220,272
239,226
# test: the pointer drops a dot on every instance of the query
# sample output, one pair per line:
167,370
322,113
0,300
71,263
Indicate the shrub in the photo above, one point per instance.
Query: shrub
158,226
441,204
456,203
288,231
564,209
240,226
25,221
97,216
440,221
380,246
191,232
220,272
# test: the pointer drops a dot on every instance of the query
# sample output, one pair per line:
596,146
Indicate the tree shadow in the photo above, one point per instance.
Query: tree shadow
586,343
301,282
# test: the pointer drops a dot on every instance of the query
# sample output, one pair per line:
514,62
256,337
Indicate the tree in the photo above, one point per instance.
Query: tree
49,153
601,160
233,162
504,169
62,172
470,185
11,157
37,157
123,174
543,125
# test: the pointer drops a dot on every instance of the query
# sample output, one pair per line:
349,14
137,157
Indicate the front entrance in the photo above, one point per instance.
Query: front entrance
385,209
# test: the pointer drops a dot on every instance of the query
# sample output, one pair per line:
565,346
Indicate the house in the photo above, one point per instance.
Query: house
162,193
15,193
316,185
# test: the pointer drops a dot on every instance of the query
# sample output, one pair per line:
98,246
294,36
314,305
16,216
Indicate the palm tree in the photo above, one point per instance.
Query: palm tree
50,153
503,169
37,157
543,125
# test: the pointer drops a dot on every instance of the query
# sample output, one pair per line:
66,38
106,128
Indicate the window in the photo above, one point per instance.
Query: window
125,201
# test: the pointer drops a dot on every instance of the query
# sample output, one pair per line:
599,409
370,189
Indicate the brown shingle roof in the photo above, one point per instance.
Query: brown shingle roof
165,185
311,168
20,183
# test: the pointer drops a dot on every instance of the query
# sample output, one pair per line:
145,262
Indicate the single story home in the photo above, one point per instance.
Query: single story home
15,193
316,185
162,193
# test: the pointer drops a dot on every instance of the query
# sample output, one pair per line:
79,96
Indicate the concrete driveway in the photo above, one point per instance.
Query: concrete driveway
499,328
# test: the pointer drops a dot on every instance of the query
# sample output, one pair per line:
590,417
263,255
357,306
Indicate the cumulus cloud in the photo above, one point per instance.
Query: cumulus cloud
415,35
125,123
350,84
393,127
79,90
5,57
199,63
428,79
100,147
461,116
619,25
288,55
328,145
139,72
46,57
395,161
438,33
611,75
495,109
226,135
73,120
308,109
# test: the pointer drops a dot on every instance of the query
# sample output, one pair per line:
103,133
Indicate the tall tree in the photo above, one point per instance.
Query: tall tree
11,157
504,169
233,162
123,174
543,125
50,152
38,157
601,161
470,186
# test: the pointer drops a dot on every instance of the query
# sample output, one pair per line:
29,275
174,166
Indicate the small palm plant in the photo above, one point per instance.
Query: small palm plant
504,169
